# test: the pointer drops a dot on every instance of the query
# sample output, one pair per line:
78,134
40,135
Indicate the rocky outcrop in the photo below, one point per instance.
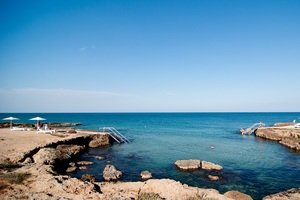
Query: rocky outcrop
46,156
110,173
99,140
146,175
291,194
289,137
236,195
49,156
197,164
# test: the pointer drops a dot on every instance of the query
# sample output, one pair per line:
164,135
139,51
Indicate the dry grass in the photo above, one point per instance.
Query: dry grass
14,177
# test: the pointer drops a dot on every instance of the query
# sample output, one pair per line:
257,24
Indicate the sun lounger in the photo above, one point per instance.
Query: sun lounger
18,129
45,129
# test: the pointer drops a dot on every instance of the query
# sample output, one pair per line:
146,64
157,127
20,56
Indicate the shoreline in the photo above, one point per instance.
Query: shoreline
45,182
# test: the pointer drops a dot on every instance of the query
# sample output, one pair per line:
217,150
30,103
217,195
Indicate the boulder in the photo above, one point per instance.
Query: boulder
110,173
210,166
291,194
88,177
188,164
99,140
213,178
84,163
236,195
146,175
71,169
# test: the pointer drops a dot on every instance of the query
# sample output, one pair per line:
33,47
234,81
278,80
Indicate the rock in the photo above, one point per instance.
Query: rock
88,178
213,178
68,151
28,160
188,164
84,163
46,156
236,195
291,194
146,175
99,140
210,166
63,124
82,167
110,173
71,169
72,164
71,130
99,157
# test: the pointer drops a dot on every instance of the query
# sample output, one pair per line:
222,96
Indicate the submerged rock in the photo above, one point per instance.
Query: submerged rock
110,173
188,164
84,163
100,157
146,175
213,178
71,169
236,195
82,167
210,166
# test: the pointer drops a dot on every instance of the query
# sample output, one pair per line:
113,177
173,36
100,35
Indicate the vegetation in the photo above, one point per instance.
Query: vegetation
8,165
14,177
149,196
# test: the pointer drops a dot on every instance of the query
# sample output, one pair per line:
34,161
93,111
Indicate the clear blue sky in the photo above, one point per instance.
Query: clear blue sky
134,56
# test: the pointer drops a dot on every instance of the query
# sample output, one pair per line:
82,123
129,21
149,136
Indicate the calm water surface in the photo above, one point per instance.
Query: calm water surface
251,165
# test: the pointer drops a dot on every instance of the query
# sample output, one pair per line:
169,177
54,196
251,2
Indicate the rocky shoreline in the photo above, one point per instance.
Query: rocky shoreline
42,165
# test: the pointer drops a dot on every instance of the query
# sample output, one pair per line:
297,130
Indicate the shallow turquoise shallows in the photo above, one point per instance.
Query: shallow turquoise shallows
254,166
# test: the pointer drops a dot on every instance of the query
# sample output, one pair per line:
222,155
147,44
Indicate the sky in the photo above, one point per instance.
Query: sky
149,56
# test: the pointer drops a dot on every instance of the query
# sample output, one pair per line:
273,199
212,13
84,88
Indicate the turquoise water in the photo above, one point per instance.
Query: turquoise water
255,166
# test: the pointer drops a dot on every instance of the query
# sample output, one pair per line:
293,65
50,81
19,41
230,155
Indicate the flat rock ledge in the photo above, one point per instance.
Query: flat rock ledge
291,194
197,164
236,195
289,137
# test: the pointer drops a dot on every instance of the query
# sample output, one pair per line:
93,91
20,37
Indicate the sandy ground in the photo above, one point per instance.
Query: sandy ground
13,144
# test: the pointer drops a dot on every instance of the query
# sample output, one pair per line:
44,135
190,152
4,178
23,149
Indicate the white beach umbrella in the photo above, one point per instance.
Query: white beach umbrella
37,119
10,119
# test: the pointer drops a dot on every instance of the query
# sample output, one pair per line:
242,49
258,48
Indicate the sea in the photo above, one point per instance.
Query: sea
252,165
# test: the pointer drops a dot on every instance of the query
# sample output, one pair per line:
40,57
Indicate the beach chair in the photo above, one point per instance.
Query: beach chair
45,129
18,129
